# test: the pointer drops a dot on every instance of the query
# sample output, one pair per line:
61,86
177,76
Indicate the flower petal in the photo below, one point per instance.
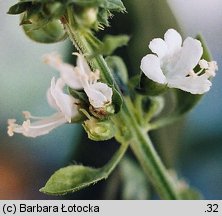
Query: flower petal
187,59
173,40
99,94
52,59
194,85
66,103
159,47
71,76
96,98
104,89
51,100
150,65
82,64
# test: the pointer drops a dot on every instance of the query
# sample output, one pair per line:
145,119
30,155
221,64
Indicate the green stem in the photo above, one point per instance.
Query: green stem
140,142
138,110
143,149
151,162
162,122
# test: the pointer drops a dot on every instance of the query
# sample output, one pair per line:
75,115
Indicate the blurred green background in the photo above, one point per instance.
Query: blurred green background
194,148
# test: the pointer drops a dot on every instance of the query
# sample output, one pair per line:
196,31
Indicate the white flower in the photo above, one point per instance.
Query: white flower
81,77
65,105
174,63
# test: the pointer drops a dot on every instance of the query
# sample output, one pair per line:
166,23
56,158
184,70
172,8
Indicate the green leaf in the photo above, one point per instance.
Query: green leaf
86,3
81,95
119,71
19,7
77,177
118,68
134,181
114,5
111,43
185,100
206,52
103,17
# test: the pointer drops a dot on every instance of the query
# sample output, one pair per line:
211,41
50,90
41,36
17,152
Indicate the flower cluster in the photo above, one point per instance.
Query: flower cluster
174,63
79,77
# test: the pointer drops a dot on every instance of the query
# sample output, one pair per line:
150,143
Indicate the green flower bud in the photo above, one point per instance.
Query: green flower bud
90,16
86,17
99,130
40,31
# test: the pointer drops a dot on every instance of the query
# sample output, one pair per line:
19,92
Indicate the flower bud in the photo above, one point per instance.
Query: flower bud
99,130
90,15
40,31
87,17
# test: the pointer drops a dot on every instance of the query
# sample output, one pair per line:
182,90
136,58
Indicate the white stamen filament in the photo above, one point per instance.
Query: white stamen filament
28,115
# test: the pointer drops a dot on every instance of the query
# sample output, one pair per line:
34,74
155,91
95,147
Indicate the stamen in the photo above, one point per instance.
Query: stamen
11,121
203,64
52,59
213,65
210,73
11,126
38,125
28,115
26,125
10,131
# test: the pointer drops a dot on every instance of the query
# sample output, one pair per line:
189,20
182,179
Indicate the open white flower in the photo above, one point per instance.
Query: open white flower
174,63
81,77
65,105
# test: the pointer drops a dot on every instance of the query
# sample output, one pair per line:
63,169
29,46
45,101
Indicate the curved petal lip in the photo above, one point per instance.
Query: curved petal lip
194,85
150,65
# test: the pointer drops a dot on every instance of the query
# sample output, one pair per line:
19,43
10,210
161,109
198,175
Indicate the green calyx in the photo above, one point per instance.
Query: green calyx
99,130
149,87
